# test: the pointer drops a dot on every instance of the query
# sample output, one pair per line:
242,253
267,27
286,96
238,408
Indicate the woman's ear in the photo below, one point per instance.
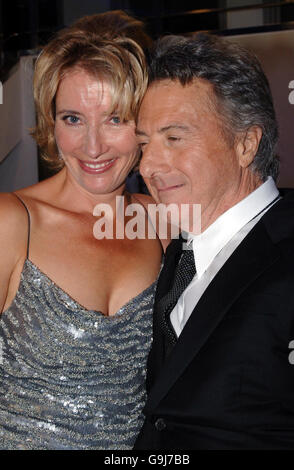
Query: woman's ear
247,146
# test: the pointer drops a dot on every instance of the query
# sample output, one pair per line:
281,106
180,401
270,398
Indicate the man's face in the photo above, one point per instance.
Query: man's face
186,156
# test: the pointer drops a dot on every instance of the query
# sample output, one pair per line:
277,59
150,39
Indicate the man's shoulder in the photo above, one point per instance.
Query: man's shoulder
279,219
286,202
287,193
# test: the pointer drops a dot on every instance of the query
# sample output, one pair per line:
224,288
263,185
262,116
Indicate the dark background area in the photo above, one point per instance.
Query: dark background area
26,25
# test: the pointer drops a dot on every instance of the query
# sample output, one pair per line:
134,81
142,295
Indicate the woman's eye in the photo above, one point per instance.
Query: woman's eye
115,120
71,119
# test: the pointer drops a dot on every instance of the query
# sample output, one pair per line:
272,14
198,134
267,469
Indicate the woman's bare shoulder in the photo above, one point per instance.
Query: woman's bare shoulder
146,201
38,191
13,227
11,209
12,205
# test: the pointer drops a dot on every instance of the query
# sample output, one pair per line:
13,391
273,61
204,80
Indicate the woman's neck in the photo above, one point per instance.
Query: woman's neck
83,200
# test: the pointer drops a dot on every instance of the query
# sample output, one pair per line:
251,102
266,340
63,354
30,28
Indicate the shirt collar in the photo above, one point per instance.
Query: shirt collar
210,242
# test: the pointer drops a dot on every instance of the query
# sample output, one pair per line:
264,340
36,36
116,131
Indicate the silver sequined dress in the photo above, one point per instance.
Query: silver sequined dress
71,378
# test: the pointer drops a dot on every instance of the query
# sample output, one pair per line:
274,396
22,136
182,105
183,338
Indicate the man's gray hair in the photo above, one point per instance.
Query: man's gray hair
242,90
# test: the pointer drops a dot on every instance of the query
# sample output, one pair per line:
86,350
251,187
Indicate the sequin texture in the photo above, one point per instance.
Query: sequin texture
71,378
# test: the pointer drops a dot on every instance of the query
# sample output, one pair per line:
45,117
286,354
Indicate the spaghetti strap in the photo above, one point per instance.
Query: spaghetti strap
29,223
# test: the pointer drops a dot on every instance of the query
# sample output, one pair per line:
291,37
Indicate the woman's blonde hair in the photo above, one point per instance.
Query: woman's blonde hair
118,60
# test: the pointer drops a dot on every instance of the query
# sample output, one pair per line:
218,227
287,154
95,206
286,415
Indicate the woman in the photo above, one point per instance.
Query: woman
76,323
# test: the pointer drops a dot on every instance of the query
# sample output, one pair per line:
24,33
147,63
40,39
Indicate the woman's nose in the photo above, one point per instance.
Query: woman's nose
95,144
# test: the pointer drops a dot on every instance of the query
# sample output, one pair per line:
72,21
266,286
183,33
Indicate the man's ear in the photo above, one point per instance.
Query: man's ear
247,146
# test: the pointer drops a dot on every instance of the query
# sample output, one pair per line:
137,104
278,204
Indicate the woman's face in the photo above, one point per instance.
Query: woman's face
99,150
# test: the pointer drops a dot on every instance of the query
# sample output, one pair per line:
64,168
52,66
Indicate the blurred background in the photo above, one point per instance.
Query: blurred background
266,27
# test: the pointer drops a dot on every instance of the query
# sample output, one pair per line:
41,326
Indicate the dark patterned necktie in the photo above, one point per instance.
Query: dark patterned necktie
184,274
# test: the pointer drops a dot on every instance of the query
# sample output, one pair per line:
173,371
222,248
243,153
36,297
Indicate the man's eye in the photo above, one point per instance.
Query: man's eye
173,138
71,119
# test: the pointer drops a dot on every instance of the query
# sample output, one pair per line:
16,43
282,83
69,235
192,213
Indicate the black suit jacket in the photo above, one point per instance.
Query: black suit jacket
228,383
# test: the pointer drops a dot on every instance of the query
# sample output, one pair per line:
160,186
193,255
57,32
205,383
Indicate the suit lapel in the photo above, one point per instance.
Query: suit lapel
254,255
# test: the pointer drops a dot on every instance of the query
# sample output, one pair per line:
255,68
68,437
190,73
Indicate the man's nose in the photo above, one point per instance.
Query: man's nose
95,144
153,161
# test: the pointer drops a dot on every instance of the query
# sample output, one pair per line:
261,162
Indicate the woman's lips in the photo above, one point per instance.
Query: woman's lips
95,168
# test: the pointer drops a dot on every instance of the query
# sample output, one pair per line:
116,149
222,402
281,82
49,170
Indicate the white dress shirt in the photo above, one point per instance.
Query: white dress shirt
216,244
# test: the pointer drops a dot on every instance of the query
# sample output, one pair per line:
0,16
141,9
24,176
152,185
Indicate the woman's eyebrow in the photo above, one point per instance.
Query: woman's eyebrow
68,111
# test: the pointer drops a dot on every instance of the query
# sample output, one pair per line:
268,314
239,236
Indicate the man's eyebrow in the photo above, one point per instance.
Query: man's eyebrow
138,132
173,126
164,129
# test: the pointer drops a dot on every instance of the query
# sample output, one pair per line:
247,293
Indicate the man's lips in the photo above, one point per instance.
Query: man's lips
169,188
97,167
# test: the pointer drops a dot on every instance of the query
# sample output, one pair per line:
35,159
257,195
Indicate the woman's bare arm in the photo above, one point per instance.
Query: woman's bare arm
13,240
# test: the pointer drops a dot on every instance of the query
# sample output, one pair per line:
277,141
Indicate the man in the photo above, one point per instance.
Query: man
220,374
